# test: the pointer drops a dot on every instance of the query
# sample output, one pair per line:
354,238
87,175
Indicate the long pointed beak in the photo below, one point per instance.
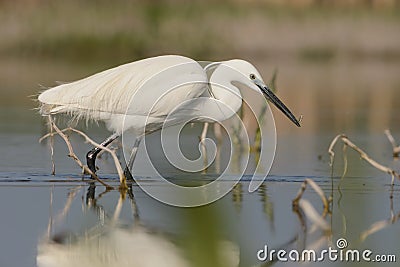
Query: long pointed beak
278,103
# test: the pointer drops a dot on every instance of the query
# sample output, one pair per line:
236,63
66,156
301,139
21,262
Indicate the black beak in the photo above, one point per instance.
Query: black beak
275,100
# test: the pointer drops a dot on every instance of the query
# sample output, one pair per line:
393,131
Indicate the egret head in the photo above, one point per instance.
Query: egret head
250,77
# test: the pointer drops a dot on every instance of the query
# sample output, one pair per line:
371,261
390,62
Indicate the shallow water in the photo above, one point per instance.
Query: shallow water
235,227
30,196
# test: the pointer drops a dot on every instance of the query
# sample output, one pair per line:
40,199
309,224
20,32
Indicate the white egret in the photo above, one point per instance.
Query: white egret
116,246
107,96
114,242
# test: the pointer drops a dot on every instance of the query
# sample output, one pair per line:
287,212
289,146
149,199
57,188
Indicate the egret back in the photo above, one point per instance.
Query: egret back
133,89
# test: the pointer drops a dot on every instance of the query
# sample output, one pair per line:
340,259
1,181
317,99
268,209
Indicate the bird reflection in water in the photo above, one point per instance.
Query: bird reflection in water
112,243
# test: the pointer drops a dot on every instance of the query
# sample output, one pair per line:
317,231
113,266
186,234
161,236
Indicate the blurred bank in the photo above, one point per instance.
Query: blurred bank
337,61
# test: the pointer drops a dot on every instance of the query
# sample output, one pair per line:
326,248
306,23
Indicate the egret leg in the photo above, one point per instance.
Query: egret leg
218,135
92,154
135,210
203,145
90,195
129,165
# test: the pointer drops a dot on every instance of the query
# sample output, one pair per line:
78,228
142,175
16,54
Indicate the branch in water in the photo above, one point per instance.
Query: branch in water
316,188
121,175
307,207
363,155
396,147
72,153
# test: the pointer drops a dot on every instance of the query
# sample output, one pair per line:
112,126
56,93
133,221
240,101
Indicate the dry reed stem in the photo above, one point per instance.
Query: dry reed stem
121,175
330,149
313,215
316,188
51,134
118,208
73,155
379,226
363,155
308,208
396,147
71,196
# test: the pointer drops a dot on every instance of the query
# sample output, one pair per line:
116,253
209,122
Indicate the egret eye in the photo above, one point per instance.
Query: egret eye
252,76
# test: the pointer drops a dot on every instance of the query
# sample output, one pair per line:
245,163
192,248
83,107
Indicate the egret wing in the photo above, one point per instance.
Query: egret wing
151,86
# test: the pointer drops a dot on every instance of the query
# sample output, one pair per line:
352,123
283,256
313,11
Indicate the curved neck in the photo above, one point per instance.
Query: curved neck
222,87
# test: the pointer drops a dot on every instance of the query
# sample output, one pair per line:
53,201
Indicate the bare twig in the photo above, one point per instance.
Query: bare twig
51,134
316,188
308,208
73,155
363,155
396,147
121,175
118,208
330,149
379,226
68,203
313,215
370,160
103,148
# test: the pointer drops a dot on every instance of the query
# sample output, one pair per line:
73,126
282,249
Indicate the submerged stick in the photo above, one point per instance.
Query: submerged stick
73,155
363,155
316,188
313,215
51,134
377,226
121,175
330,149
396,147
307,207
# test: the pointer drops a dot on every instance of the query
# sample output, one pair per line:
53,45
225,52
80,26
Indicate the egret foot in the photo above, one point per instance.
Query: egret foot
92,154
128,174
91,160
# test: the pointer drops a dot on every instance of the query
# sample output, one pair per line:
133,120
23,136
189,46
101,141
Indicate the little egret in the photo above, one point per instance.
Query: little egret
108,96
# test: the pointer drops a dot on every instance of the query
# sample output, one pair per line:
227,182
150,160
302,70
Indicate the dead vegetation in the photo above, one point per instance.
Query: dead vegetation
302,206
346,141
72,154
396,147
299,204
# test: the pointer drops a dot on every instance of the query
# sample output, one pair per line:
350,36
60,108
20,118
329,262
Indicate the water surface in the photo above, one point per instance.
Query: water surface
239,224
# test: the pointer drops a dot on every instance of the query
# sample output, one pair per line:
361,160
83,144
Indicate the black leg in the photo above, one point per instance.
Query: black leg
128,174
92,154
90,195
129,165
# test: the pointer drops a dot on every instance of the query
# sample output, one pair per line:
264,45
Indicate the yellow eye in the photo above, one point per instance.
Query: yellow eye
252,76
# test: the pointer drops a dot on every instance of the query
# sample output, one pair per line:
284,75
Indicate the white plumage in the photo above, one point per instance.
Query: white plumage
106,95
145,95
130,247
